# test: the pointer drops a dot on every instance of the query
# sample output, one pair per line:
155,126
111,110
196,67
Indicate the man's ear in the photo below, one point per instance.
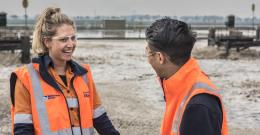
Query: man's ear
162,58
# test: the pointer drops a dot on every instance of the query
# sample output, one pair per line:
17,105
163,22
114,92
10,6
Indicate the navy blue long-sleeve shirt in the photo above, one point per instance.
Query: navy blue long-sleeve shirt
202,116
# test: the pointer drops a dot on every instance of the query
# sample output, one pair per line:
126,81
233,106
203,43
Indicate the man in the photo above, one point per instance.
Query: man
193,103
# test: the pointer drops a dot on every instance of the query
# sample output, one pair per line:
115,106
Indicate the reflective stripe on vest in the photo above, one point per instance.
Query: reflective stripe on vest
22,118
177,118
76,131
85,131
39,101
99,111
72,102
42,111
85,78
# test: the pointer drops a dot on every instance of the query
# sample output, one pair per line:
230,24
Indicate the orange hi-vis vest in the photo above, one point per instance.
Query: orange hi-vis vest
187,82
50,115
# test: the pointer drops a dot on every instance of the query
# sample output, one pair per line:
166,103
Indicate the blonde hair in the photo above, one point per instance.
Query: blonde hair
46,27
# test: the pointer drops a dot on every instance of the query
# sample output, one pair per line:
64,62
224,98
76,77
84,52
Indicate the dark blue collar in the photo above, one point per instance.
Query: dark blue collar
45,61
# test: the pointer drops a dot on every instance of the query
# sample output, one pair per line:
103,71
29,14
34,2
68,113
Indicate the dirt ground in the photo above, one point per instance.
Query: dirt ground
133,98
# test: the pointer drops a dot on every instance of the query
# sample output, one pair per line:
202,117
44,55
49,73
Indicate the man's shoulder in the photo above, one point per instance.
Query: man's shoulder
210,102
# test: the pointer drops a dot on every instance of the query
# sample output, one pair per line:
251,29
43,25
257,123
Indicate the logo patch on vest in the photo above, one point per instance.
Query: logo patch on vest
86,94
50,97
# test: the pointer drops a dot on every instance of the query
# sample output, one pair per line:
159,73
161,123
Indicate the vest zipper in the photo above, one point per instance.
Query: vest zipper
78,104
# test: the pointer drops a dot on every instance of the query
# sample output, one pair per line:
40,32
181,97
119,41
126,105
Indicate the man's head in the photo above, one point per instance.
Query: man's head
169,43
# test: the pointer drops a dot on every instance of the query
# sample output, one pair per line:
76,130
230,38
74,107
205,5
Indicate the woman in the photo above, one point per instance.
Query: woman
54,94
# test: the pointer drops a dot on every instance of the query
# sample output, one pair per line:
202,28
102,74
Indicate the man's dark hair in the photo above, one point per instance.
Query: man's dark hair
172,37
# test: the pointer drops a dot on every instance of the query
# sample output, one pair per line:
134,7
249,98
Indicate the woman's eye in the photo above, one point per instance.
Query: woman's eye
73,38
63,39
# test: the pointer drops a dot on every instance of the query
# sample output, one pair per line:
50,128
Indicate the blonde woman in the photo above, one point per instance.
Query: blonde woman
54,95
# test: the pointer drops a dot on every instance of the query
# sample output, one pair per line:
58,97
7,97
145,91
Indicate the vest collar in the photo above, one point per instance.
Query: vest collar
180,82
45,61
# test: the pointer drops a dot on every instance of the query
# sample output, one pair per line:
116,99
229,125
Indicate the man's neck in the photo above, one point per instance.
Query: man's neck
170,70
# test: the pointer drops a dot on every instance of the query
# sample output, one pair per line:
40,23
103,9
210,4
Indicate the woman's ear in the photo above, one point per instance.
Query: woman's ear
46,42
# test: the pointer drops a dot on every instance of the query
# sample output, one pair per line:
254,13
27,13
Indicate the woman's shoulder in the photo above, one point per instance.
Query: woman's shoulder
24,68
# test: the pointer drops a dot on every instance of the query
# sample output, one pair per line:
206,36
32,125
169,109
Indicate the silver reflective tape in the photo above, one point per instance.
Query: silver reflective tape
177,118
72,102
40,102
76,131
88,131
99,111
22,118
66,131
85,78
201,85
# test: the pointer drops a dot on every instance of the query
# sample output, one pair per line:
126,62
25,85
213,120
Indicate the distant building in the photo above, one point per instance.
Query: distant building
114,28
114,24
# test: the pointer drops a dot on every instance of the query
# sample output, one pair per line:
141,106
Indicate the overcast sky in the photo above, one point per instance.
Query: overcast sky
240,8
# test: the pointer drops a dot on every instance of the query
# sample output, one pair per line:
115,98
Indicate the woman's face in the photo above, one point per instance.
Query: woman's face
62,45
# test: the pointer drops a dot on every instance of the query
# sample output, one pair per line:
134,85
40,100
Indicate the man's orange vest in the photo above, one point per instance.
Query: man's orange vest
51,116
187,82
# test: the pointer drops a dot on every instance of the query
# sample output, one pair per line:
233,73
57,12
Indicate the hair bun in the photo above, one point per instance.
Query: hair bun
51,11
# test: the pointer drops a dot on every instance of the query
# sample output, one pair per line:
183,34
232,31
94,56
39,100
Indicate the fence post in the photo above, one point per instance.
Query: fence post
258,32
211,37
227,47
25,46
